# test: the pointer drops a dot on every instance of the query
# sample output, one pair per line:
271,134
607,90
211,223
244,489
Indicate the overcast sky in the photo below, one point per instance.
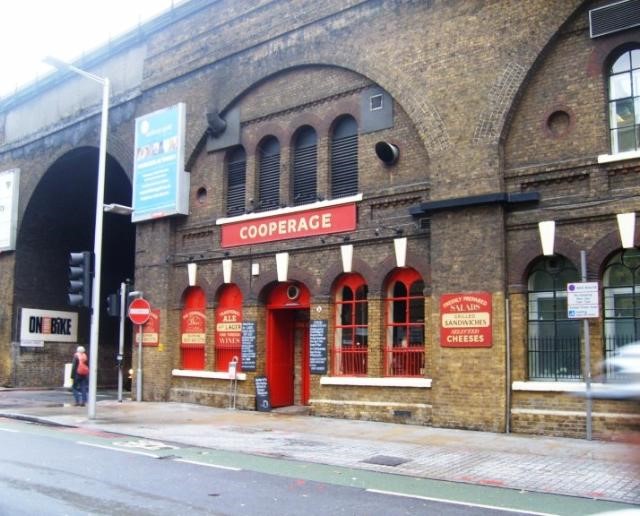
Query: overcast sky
33,29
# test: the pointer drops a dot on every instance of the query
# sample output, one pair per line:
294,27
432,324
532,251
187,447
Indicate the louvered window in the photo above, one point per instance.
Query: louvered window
624,102
236,179
305,164
344,158
269,178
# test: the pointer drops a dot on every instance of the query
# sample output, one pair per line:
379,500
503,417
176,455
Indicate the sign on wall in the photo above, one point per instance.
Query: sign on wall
38,326
289,223
249,347
9,187
318,346
193,328
150,330
160,183
465,320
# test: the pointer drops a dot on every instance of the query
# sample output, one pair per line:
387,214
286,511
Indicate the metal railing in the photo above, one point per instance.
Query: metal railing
554,358
351,362
401,361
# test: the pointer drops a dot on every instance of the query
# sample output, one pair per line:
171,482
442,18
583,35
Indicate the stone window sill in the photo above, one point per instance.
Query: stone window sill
356,381
215,375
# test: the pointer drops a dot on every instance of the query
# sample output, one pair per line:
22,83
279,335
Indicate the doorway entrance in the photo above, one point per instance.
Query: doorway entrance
288,344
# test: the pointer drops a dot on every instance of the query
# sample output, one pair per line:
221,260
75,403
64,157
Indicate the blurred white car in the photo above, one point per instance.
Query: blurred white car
622,380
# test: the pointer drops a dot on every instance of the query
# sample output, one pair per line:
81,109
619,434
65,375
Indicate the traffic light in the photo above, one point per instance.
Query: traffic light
80,279
113,305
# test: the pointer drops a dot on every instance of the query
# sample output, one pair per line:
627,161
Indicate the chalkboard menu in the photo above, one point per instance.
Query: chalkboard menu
249,346
263,402
318,346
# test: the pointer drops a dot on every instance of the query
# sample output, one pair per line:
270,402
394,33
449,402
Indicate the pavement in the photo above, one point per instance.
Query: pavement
601,470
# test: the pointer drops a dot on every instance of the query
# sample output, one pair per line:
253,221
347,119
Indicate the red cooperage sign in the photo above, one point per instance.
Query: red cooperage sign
466,320
317,221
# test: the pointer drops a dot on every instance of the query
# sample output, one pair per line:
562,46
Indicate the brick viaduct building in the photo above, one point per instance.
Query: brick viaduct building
366,179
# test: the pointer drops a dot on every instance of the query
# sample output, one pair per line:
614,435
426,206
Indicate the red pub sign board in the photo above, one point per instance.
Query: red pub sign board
294,224
465,320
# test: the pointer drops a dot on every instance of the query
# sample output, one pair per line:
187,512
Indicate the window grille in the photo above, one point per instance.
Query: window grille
236,180
404,350
554,339
305,164
621,285
344,158
350,350
269,175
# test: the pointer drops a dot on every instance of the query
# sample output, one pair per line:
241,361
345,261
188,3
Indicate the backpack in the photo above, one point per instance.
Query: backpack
83,368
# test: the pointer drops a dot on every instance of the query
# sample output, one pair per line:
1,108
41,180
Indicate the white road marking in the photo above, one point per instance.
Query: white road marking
454,502
125,450
9,430
217,466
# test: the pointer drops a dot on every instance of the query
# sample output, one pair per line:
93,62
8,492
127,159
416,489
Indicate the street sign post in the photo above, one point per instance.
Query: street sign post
139,313
582,300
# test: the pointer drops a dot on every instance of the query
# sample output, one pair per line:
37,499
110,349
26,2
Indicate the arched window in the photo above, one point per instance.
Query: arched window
305,164
404,324
554,339
228,336
352,334
269,175
236,179
193,329
621,283
624,102
344,158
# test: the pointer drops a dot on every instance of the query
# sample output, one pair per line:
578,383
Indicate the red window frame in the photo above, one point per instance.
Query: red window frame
351,345
229,347
192,354
404,324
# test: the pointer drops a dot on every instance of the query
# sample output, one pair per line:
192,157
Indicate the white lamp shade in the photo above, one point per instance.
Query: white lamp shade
547,235
400,246
627,228
226,270
282,266
192,269
347,257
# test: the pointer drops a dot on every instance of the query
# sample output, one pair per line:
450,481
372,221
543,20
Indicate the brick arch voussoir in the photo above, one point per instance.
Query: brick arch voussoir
518,268
386,266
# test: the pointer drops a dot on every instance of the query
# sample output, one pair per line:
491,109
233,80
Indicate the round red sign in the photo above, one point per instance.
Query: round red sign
139,311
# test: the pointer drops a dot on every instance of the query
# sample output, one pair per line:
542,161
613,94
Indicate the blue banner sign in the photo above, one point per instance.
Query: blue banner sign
160,184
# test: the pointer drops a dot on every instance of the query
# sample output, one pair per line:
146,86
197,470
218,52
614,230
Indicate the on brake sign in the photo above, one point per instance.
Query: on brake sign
582,300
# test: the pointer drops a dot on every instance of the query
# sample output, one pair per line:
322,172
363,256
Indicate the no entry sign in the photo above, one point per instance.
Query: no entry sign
139,311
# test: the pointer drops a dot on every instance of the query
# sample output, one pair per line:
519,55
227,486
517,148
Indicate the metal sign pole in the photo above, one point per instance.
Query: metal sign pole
123,298
139,374
587,351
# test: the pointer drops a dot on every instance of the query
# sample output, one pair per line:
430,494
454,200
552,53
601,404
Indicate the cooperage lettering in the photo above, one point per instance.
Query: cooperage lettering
289,226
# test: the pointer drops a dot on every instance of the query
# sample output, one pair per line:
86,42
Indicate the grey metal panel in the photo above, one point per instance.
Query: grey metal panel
614,17
374,118
231,135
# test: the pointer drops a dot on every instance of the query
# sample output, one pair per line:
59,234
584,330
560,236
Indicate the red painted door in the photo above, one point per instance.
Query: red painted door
280,348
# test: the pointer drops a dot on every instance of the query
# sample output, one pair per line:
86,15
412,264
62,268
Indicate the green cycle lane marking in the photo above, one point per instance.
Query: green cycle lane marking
389,483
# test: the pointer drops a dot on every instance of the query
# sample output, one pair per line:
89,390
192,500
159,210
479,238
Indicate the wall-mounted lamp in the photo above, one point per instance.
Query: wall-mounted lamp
226,270
547,236
387,152
282,266
192,269
400,247
627,228
346,251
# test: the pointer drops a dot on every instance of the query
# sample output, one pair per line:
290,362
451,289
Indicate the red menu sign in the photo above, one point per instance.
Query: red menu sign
151,329
193,327
465,320
313,222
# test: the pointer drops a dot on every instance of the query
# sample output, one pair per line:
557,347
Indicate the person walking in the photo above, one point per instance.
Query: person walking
80,376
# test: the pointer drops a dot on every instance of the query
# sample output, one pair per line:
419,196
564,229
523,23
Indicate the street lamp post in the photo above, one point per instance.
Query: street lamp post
97,236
